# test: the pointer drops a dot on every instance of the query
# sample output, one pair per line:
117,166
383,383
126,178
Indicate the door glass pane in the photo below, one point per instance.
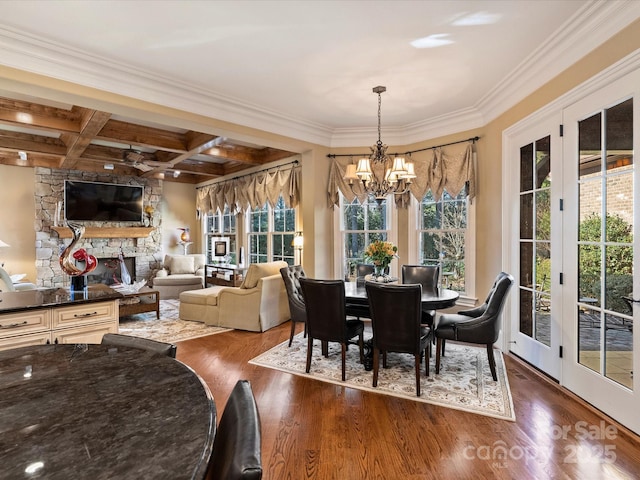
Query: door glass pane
526,317
589,338
589,274
618,278
526,168
619,221
526,264
526,215
590,200
590,145
619,349
543,215
543,163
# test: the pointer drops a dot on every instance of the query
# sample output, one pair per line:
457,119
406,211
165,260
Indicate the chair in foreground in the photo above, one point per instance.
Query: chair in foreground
482,329
427,276
118,340
236,448
396,312
327,319
291,277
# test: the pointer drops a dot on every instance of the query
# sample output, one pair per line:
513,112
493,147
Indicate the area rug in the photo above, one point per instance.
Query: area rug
168,328
464,382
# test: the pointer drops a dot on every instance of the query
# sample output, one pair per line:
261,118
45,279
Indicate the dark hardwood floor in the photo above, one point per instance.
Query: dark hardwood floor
312,429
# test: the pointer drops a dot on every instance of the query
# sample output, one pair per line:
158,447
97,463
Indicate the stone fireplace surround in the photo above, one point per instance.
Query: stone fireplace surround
49,193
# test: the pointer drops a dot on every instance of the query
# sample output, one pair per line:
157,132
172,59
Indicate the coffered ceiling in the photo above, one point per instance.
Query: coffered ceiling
301,69
73,137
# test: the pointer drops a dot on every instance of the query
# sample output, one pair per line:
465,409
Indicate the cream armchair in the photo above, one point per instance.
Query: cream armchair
259,304
179,273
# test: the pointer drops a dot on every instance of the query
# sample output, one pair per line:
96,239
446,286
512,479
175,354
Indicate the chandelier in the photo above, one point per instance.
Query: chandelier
379,174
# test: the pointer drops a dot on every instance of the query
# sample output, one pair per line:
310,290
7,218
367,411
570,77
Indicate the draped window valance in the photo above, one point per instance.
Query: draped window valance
252,190
449,168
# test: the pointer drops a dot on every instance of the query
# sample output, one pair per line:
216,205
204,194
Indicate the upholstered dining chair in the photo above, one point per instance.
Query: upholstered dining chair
481,329
480,309
362,270
396,312
427,276
327,319
237,446
118,340
297,309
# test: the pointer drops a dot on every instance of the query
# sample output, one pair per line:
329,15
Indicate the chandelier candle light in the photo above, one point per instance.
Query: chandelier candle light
379,174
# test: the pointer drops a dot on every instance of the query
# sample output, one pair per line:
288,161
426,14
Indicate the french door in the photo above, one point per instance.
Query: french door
600,240
536,257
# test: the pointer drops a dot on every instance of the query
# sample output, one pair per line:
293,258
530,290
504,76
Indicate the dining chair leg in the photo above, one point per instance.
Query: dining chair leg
384,359
325,348
426,358
376,365
438,348
293,332
344,362
361,345
417,362
492,362
309,348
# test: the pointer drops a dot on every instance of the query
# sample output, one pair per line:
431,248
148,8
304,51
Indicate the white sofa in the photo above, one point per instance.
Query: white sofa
259,304
179,273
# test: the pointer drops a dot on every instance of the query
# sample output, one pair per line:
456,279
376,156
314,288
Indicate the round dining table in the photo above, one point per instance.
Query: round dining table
445,298
102,412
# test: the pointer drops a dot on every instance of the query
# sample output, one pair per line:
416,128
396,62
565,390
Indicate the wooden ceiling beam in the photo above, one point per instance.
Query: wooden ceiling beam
41,117
29,143
139,135
92,121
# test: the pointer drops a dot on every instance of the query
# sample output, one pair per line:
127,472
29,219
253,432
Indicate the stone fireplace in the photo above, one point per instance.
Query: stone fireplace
141,250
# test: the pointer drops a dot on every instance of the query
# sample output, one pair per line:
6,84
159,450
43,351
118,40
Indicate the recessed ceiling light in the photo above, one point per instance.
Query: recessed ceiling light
108,166
22,155
432,41
176,173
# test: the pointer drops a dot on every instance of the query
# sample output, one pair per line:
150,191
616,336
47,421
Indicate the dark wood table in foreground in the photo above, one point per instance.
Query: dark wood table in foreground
102,412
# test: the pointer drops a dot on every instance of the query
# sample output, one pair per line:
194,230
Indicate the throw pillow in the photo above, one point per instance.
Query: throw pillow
182,265
260,270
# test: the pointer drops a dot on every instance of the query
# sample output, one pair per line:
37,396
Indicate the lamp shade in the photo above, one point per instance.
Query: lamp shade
364,169
351,172
298,241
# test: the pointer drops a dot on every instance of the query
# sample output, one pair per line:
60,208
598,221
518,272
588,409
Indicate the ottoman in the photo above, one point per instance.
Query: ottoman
194,305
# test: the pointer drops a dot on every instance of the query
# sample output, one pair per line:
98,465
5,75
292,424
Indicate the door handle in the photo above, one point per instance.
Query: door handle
630,300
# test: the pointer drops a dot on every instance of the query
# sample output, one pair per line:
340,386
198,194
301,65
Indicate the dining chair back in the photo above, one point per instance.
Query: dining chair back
291,277
237,446
362,270
119,340
427,276
396,312
482,329
326,317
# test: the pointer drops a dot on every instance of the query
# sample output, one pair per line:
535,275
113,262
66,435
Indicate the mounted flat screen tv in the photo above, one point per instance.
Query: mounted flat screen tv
94,201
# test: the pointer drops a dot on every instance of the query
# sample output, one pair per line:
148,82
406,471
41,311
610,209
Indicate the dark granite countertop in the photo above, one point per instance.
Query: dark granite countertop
102,412
50,297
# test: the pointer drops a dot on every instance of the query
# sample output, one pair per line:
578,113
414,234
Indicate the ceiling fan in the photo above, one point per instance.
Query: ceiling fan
140,160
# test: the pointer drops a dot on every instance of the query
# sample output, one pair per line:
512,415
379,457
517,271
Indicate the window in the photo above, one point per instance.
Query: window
221,228
361,224
442,237
271,232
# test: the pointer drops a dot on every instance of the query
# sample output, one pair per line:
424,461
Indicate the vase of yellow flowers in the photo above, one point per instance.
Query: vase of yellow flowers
380,253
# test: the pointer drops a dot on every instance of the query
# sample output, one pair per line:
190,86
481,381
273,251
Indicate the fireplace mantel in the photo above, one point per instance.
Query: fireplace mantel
107,232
